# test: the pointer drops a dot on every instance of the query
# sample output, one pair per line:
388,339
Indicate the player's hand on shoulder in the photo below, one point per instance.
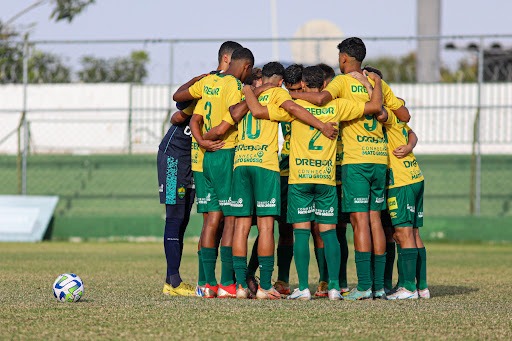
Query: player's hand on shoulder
373,76
402,151
262,88
358,76
330,130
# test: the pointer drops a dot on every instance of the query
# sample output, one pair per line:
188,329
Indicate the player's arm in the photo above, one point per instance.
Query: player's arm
402,151
217,132
257,110
238,111
374,106
195,127
403,114
329,129
178,117
182,94
316,98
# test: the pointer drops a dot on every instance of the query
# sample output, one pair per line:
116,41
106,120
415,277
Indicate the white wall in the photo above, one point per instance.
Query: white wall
93,118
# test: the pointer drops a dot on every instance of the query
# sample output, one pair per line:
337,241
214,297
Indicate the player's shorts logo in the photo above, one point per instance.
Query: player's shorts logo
392,203
161,188
181,192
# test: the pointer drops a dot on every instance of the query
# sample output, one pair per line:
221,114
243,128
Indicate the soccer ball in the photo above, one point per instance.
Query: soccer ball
68,288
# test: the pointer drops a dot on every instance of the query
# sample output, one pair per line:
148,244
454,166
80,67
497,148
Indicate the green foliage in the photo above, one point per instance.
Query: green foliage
396,69
68,9
466,72
130,69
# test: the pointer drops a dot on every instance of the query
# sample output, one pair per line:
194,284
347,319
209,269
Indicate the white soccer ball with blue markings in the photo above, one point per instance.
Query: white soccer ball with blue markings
68,288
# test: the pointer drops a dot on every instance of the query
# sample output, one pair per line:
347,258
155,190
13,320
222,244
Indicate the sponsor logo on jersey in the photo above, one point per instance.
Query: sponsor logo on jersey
240,147
212,92
321,111
358,88
392,203
409,164
263,98
370,139
313,162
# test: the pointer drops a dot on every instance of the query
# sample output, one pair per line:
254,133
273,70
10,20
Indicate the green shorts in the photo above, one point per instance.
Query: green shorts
364,187
284,199
405,205
312,202
202,206
255,187
343,217
218,172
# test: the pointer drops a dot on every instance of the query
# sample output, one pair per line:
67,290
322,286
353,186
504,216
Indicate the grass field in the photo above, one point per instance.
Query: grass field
471,286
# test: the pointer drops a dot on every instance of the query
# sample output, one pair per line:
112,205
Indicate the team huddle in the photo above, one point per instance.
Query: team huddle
346,158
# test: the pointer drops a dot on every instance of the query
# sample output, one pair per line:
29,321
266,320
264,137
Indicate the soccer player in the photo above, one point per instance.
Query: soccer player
256,177
224,58
218,92
312,191
363,168
405,205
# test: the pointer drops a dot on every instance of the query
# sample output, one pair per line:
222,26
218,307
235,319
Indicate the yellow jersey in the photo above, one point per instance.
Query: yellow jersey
219,92
312,155
362,139
258,138
404,171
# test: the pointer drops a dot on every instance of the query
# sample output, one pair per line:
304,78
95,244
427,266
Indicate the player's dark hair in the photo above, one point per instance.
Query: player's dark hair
243,54
228,47
354,47
313,76
374,70
328,71
273,69
254,76
293,73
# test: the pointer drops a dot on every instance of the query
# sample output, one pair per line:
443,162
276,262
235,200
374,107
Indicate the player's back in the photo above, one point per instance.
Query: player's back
218,92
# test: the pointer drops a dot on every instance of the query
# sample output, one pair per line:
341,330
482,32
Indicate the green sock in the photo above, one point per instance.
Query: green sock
266,269
226,258
240,267
390,262
322,264
209,255
379,266
409,259
253,262
372,267
201,278
342,239
400,282
284,261
333,257
421,269
301,255
363,266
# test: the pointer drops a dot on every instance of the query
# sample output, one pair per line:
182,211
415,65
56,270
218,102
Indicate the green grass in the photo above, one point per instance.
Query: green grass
470,284
102,194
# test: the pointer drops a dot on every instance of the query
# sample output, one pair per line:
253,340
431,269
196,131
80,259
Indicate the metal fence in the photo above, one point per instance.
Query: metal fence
94,145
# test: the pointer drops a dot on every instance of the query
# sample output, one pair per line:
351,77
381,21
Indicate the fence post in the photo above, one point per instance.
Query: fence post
130,117
25,123
476,168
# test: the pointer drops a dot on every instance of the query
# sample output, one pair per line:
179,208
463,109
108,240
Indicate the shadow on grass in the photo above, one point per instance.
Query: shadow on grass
450,290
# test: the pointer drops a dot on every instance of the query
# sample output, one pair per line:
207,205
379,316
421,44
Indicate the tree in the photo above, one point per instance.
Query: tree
396,69
68,9
131,69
